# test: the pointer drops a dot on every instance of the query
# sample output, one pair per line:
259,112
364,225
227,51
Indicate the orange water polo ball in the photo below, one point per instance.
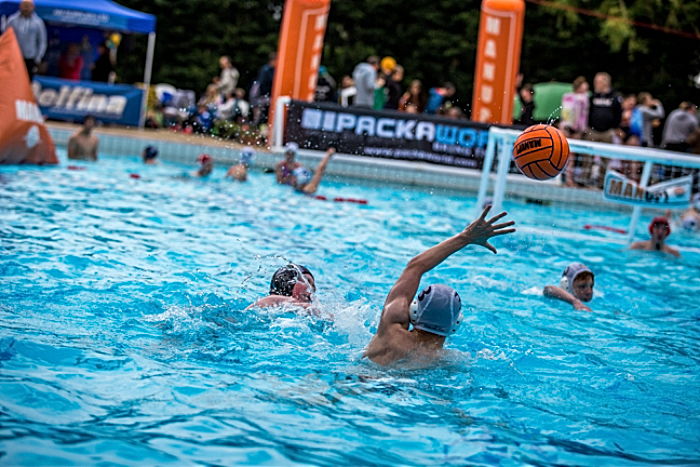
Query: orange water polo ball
541,152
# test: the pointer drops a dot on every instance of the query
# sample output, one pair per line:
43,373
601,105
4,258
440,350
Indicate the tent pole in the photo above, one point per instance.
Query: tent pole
147,77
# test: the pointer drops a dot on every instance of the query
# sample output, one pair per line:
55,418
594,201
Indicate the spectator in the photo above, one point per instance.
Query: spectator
347,91
413,100
574,120
526,95
234,107
82,145
211,98
229,76
437,97
31,35
365,77
574,109
454,113
71,63
325,86
88,54
605,111
103,66
680,124
386,68
261,90
393,88
632,169
648,109
203,120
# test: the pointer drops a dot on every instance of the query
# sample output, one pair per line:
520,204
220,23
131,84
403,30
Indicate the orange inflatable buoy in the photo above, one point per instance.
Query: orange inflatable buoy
24,138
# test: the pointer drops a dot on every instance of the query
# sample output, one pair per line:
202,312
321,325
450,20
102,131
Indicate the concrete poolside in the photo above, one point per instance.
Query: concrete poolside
184,148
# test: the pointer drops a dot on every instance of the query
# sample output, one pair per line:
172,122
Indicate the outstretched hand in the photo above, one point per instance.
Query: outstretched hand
481,230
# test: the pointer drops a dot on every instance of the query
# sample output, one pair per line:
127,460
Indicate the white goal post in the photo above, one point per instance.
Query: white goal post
503,139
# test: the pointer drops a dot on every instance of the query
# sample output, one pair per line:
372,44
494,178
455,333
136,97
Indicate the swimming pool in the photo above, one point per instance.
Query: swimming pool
123,340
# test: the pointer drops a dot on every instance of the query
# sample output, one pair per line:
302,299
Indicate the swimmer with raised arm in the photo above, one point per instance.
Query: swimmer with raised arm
291,172
436,312
291,285
659,229
575,287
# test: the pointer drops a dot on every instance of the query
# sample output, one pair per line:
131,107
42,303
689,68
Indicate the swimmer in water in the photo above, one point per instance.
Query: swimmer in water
82,145
239,172
290,285
575,287
435,314
659,230
206,165
149,155
690,219
292,173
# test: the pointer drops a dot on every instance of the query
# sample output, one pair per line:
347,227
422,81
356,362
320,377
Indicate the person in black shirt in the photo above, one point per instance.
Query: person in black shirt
103,66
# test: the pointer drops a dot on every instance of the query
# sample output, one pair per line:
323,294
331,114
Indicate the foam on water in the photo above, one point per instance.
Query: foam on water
124,340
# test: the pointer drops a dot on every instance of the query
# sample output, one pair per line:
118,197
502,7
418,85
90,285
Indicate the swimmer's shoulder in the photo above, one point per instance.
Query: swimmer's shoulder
642,245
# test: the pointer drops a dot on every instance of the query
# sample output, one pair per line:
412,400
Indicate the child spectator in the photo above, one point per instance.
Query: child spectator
574,120
71,63
648,109
526,95
393,88
437,97
413,100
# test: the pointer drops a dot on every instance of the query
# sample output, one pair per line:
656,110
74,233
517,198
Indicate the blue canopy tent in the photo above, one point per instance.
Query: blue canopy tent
98,14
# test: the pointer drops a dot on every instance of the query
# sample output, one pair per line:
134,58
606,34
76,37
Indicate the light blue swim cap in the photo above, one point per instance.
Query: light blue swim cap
247,156
437,310
689,223
303,175
291,147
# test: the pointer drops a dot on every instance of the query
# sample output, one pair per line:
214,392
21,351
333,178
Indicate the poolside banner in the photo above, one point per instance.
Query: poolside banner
670,194
23,137
62,99
387,134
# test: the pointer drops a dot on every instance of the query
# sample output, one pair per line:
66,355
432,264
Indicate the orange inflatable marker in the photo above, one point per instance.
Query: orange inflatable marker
497,60
299,51
24,138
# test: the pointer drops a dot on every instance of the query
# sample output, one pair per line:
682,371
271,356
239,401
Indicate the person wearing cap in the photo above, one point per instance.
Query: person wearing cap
435,314
291,172
659,229
575,286
149,155
239,172
690,219
291,285
206,165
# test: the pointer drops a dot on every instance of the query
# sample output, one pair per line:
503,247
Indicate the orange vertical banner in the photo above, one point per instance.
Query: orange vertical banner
23,137
299,51
497,60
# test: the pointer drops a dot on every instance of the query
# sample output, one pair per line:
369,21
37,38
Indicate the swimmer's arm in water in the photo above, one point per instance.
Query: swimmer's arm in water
561,294
671,251
93,152
278,172
278,300
72,147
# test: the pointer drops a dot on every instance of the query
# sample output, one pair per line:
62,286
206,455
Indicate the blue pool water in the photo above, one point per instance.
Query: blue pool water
123,339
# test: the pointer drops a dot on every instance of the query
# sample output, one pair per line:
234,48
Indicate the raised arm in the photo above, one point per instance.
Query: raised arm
478,233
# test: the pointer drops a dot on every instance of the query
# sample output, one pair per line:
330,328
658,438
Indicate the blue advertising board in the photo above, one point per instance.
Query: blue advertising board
61,99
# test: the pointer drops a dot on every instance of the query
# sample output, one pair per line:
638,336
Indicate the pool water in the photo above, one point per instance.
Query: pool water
123,339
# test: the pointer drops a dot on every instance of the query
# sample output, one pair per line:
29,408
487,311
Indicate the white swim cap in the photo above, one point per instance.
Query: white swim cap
570,274
291,147
437,310
303,175
247,156
690,222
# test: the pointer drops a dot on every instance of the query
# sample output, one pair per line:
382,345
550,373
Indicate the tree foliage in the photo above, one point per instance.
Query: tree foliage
435,40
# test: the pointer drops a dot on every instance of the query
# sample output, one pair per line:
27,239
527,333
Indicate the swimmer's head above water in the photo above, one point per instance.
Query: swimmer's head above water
437,310
290,151
660,229
293,280
246,157
578,280
206,164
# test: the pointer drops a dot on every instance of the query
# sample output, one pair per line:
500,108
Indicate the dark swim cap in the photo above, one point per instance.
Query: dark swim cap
150,152
285,278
